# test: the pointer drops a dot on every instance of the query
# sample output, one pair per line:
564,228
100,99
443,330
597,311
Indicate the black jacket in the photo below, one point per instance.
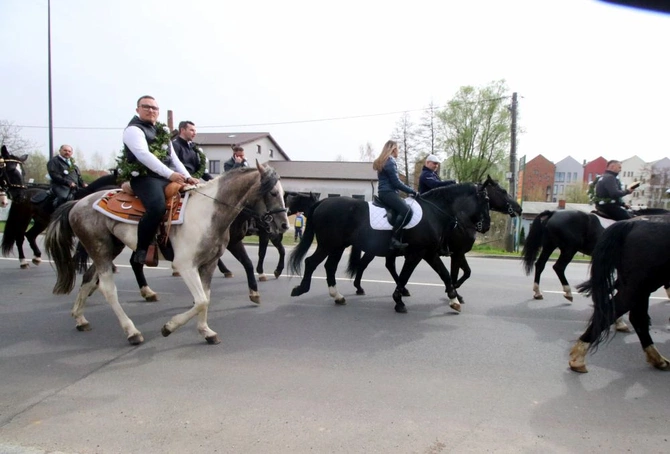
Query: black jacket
430,180
62,175
189,156
608,188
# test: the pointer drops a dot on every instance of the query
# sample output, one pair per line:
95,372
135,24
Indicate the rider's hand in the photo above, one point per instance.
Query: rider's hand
177,177
416,195
192,180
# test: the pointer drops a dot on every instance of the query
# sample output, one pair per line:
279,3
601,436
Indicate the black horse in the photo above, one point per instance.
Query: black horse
238,229
295,201
11,173
461,240
568,230
637,250
24,210
339,222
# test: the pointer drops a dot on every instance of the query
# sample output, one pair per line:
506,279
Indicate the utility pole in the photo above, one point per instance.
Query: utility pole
511,230
51,125
170,121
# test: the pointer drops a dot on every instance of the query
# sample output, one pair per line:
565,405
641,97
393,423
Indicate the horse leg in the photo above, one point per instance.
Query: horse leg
311,263
263,239
138,270
224,270
436,263
20,236
667,289
194,282
539,267
277,242
108,289
331,268
390,266
639,318
31,235
459,262
411,261
561,264
365,261
240,253
89,284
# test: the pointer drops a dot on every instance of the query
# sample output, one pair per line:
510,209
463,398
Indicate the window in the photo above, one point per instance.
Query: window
333,195
560,177
569,178
358,196
590,177
215,167
555,189
272,152
258,149
560,189
574,176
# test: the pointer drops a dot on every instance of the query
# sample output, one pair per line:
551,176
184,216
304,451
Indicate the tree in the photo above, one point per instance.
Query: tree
366,153
428,130
475,125
36,167
577,193
10,136
405,135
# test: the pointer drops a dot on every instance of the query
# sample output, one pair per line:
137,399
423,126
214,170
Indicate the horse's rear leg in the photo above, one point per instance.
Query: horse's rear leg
436,263
224,269
277,242
539,267
459,262
31,235
311,263
108,289
362,266
390,266
145,290
561,264
411,261
89,285
331,269
240,253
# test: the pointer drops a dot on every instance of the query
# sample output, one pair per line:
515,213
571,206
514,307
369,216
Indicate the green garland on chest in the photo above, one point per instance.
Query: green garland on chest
203,163
160,148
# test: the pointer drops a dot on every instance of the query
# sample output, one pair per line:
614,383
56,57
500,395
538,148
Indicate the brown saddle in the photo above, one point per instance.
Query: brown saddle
126,205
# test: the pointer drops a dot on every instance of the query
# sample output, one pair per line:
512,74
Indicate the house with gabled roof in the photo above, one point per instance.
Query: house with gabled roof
325,178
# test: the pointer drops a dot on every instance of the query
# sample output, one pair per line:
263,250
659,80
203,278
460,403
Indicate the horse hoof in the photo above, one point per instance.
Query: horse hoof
341,302
538,297
228,274
151,298
136,339
296,291
213,340
84,327
277,273
262,277
256,299
581,369
360,292
400,308
405,292
25,266
461,299
37,260
455,305
165,332
569,298
176,274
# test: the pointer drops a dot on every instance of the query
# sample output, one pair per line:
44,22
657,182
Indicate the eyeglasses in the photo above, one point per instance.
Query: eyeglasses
150,107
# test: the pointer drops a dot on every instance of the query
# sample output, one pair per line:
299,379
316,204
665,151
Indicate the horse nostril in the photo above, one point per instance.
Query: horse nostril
284,226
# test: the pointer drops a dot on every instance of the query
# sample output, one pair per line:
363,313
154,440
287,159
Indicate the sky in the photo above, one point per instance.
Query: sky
325,78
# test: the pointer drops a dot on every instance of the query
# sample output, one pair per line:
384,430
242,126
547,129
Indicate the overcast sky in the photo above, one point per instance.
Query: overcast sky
592,78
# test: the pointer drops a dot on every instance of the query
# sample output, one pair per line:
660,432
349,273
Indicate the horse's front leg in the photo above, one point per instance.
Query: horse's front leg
263,239
390,266
362,266
639,318
277,242
193,281
108,289
433,259
561,264
31,235
411,261
331,268
459,262
240,253
539,267
89,284
311,263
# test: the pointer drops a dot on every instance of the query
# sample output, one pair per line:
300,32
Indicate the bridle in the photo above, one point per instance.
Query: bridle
4,180
508,206
483,197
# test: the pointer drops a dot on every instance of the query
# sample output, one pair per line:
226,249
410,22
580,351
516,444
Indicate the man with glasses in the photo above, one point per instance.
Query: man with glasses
65,176
159,166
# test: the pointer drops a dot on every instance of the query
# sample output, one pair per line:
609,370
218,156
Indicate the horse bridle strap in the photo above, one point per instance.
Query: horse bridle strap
4,182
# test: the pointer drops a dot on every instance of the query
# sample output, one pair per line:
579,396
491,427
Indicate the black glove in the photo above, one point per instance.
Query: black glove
416,195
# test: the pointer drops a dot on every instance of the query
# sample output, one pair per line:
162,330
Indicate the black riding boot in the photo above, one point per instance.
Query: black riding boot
396,239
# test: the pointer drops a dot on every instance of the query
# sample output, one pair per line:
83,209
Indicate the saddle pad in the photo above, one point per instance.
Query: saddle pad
378,220
128,209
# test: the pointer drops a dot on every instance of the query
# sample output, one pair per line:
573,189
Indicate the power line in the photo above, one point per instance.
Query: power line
277,123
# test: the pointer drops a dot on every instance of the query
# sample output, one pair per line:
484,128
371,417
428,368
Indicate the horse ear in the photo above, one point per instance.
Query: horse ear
260,168
5,153
23,158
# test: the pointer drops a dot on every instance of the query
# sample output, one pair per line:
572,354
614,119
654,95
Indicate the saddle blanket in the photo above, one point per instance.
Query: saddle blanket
122,207
378,220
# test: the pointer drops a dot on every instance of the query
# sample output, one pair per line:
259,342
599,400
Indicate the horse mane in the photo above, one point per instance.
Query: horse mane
268,181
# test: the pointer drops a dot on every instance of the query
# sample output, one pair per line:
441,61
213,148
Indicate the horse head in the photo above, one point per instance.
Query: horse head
482,216
467,203
299,201
11,170
270,206
499,199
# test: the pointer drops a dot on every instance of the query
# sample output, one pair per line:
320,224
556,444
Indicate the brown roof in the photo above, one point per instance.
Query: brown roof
325,170
236,138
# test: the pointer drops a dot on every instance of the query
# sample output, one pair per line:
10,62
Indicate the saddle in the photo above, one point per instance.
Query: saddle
390,213
383,218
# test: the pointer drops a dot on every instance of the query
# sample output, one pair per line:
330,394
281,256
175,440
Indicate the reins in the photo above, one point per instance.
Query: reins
4,181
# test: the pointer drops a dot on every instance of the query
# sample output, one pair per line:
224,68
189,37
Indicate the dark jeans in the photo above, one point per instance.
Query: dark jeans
396,203
151,191
298,233
614,211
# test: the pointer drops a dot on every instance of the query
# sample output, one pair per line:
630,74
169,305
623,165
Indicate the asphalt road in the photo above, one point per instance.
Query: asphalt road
298,375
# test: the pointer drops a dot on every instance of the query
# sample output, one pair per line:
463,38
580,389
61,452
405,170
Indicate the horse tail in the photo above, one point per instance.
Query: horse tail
80,258
59,243
533,244
604,262
12,229
354,261
295,260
